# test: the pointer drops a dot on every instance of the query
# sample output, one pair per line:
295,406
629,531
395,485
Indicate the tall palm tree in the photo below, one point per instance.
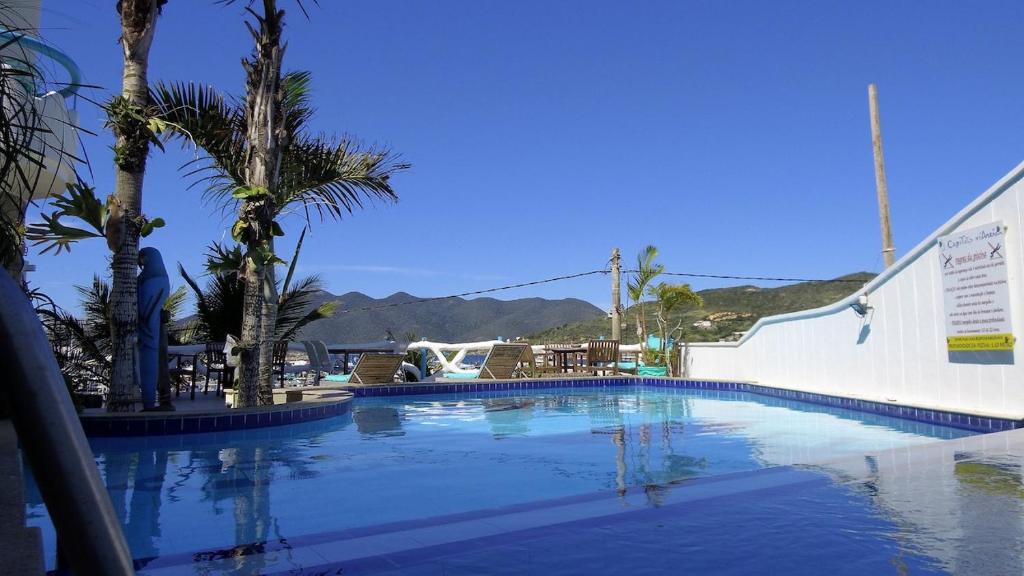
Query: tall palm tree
646,271
127,117
326,177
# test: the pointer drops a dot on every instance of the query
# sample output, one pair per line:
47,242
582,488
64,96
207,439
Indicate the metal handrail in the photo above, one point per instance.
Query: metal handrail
38,46
54,444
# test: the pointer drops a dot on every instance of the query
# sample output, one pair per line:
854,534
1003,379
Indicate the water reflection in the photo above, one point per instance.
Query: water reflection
242,479
508,416
230,474
959,502
144,473
655,448
378,421
647,433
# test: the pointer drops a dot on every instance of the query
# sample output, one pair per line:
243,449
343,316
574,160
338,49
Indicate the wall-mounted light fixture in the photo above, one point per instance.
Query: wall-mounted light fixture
860,306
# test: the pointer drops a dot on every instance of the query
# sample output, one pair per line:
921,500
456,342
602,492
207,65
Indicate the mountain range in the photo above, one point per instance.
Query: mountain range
725,312
360,318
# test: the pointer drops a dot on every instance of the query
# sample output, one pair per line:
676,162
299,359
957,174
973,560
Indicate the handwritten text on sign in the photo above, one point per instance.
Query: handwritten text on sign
975,290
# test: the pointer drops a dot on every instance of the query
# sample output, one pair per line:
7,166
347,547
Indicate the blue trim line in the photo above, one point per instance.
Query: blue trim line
152,424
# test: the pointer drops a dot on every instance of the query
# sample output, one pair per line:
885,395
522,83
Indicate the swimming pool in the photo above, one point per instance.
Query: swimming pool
453,483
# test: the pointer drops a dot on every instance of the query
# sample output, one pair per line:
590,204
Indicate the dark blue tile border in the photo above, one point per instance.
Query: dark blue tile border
942,417
185,423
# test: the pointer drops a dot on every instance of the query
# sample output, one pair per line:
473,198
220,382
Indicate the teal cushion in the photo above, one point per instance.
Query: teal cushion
463,375
652,371
627,365
338,377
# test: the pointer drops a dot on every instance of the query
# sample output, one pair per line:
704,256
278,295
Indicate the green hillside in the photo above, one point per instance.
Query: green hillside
729,310
449,320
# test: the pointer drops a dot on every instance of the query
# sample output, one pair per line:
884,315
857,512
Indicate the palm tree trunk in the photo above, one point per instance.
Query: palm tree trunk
268,326
641,323
138,24
249,360
264,122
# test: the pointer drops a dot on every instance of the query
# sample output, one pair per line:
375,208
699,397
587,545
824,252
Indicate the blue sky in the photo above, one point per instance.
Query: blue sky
732,135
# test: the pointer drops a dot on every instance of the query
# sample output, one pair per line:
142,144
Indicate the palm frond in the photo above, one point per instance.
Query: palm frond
294,304
325,310
218,307
646,271
200,115
96,304
82,346
175,302
294,262
333,179
297,102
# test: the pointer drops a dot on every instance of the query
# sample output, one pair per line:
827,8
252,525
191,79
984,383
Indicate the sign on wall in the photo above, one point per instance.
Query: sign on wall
975,289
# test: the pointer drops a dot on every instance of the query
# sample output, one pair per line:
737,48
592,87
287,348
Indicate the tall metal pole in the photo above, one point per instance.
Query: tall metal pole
888,251
616,297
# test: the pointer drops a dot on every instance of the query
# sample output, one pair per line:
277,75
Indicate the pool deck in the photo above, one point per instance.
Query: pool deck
209,413
975,480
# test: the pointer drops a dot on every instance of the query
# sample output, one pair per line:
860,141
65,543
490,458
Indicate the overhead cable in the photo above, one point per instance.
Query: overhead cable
764,278
581,275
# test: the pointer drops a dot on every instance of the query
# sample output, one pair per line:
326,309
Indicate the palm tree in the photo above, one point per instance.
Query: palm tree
326,177
646,271
127,117
219,306
83,346
671,297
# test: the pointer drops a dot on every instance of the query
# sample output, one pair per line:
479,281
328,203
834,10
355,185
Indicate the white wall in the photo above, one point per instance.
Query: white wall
898,352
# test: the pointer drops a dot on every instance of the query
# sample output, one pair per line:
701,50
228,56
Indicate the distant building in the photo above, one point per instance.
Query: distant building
703,324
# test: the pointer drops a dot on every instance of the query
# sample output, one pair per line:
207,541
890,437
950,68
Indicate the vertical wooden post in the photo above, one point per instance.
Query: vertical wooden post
888,251
616,297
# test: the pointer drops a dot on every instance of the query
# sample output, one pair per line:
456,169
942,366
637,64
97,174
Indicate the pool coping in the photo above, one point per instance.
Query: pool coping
201,421
962,420
170,423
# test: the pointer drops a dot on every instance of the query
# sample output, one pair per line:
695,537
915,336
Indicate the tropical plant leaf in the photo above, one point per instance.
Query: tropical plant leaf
151,225
79,201
221,260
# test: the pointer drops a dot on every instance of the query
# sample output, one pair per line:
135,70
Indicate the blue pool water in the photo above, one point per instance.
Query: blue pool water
502,468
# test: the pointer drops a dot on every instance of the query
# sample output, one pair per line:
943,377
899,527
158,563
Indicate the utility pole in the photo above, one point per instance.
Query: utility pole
888,251
616,298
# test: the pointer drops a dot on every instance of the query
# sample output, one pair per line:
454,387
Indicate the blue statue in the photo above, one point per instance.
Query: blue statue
154,288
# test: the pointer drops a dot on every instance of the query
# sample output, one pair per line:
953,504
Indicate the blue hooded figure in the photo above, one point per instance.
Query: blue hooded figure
154,287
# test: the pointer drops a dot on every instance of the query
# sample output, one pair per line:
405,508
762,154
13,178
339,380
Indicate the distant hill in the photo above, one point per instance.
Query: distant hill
725,311
450,320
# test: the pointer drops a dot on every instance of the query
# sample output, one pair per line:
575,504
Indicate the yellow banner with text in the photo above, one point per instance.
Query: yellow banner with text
978,342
